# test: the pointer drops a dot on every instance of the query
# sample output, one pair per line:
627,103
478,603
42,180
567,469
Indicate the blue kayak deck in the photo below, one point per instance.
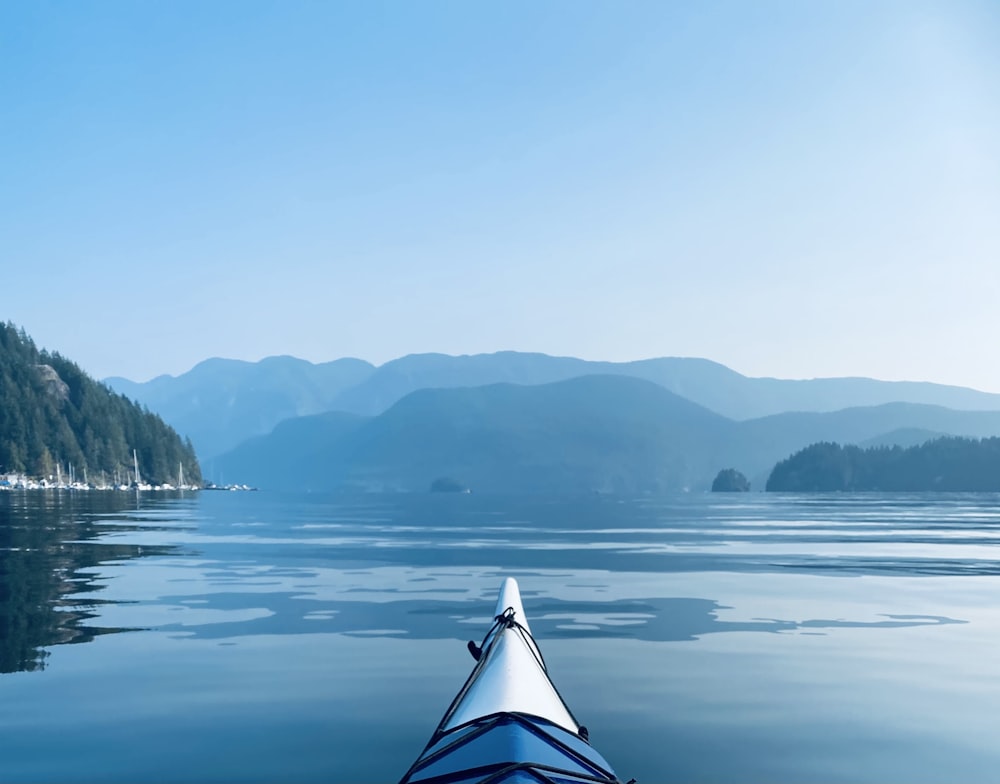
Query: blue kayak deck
494,749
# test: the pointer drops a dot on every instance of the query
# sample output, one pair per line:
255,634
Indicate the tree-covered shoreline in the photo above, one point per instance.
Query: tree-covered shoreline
948,464
54,418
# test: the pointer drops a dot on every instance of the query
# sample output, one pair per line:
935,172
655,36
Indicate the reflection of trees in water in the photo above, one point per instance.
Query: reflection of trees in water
49,540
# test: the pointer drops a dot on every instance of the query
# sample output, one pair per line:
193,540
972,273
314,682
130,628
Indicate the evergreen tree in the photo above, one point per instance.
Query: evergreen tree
53,414
945,464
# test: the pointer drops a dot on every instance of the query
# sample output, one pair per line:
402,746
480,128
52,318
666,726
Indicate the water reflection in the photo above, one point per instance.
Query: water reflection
315,638
221,615
49,580
271,565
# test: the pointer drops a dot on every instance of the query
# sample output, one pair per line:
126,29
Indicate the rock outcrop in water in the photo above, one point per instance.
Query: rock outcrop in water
729,480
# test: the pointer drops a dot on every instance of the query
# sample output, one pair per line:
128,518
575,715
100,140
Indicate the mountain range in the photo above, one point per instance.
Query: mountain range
529,422
220,403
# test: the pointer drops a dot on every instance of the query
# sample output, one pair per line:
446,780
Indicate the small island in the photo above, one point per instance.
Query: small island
729,480
445,484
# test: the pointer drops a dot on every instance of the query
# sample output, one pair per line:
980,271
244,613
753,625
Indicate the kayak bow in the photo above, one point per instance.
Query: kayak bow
508,723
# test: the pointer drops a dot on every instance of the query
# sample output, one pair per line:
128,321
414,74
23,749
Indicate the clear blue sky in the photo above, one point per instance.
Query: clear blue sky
793,189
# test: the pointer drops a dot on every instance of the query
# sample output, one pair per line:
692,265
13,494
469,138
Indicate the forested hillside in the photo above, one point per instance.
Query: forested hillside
944,464
52,414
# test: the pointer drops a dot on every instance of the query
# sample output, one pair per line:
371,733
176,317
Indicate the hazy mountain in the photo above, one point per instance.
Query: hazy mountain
903,437
220,403
296,454
592,433
707,383
398,378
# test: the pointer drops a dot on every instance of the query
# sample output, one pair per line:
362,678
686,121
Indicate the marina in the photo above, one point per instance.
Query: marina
131,483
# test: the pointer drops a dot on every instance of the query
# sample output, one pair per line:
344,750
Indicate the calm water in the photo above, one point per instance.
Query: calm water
257,637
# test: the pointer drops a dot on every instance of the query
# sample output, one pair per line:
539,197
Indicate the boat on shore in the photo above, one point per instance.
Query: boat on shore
508,723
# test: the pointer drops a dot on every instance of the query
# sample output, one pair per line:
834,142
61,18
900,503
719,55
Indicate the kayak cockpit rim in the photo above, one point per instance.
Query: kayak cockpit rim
587,764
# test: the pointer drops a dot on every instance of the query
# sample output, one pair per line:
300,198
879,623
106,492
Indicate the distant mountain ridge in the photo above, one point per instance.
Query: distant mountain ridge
587,434
608,434
221,403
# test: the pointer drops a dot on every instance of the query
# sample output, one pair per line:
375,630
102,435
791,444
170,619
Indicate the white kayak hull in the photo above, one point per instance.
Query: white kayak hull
511,677
508,722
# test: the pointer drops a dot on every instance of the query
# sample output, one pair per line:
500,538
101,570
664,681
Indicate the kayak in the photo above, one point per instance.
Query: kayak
508,723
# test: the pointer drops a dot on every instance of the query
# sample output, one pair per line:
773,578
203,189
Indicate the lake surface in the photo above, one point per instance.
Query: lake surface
263,638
